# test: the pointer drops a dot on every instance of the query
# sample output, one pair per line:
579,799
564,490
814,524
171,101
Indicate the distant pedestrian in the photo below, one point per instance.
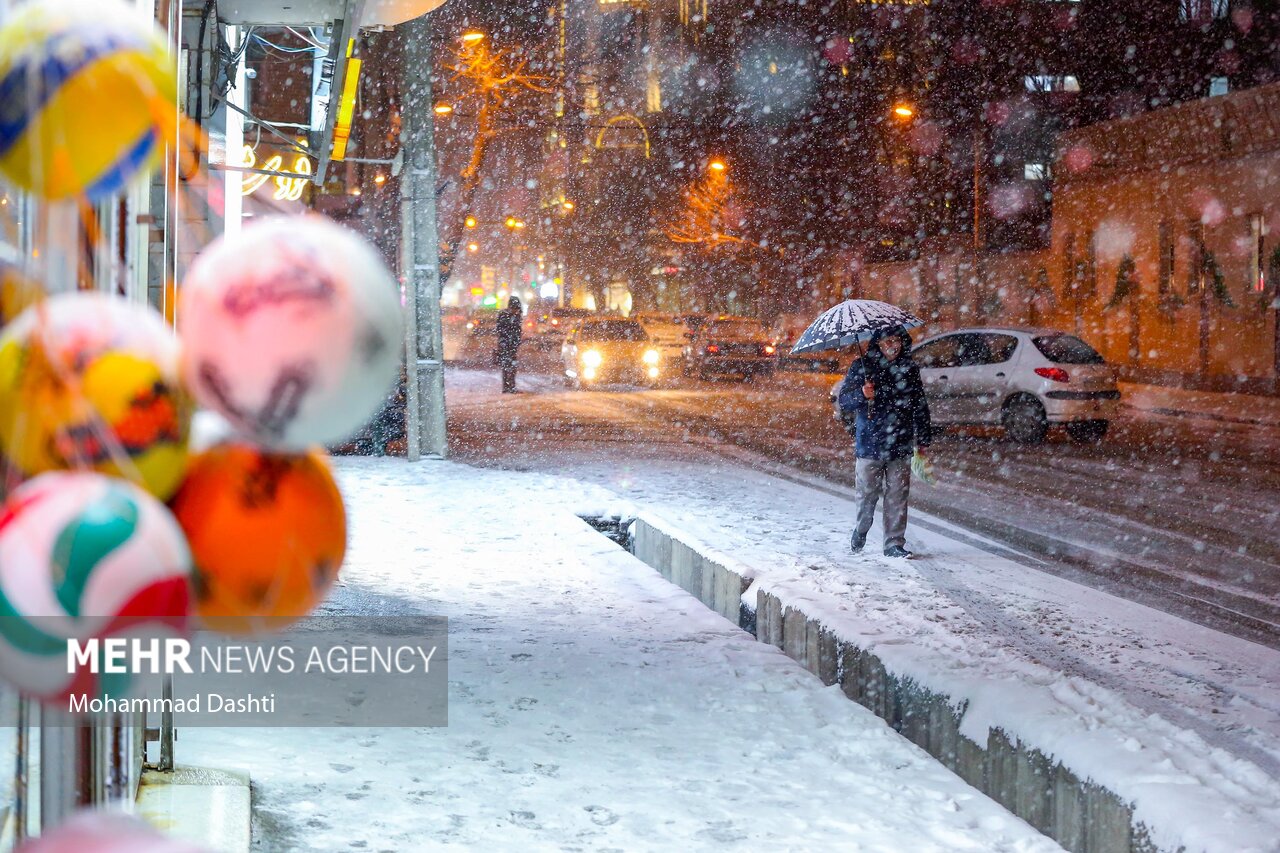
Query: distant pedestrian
510,325
884,393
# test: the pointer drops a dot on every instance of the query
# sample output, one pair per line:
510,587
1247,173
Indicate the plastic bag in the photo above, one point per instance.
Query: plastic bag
922,468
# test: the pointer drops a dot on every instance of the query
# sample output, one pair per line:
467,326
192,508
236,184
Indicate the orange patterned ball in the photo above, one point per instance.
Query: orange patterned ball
267,531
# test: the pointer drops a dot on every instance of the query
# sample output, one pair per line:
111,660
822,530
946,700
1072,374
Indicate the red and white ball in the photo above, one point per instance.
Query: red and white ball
291,331
85,556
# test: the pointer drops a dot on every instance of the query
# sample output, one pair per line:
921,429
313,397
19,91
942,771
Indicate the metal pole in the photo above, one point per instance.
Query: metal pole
66,767
426,371
413,395
22,764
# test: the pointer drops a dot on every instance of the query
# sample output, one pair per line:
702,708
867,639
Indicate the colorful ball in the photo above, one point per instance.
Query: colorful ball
268,533
87,97
84,556
291,331
89,380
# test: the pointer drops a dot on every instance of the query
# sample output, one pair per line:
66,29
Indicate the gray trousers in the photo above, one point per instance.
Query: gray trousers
892,479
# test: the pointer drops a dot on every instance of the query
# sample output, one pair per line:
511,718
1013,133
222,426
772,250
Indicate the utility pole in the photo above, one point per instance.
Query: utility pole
424,410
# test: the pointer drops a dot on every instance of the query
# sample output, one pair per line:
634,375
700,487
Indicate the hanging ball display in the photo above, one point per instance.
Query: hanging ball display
268,533
291,331
17,292
87,97
84,556
89,380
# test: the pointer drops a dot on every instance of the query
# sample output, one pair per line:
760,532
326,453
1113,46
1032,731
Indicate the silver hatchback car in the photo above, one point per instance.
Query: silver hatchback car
1022,379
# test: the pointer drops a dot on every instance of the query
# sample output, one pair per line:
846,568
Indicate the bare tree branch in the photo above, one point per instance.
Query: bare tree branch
493,78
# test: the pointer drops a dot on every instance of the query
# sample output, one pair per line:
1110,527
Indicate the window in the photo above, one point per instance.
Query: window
736,328
1195,263
1051,83
1067,349
972,351
939,353
1168,253
1000,347
612,330
1219,86
1035,171
1257,254
653,89
1069,261
1091,264
1203,10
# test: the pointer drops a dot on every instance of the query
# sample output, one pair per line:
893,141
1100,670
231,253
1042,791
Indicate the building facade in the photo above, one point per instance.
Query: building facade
1164,253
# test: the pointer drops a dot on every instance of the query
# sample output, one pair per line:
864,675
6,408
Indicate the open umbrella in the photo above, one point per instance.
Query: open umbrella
852,321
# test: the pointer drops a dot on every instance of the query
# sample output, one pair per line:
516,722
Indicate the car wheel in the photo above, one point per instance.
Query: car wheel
1024,419
1087,432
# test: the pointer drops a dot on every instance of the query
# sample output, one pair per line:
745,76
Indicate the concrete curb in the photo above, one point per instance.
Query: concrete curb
210,808
1077,813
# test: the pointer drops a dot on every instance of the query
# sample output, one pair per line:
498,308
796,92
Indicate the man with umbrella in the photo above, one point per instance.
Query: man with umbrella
883,394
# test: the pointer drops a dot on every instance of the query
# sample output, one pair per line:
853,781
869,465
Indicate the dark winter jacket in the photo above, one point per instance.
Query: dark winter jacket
893,424
510,322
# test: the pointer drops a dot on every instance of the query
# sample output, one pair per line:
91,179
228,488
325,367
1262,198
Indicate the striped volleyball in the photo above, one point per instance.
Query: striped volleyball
87,97
84,556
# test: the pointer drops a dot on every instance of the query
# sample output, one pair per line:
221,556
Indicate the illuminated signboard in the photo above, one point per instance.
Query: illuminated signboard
286,188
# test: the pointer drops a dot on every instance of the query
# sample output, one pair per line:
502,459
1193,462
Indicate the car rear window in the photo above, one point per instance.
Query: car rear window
739,328
613,330
1067,349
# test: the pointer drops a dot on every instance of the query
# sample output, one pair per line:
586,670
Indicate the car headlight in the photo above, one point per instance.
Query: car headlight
651,356
592,358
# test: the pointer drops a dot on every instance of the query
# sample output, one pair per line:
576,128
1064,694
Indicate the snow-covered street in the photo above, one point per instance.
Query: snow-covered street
1179,507
592,704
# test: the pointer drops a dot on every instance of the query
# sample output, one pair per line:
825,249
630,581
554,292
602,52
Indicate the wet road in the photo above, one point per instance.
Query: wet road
1174,510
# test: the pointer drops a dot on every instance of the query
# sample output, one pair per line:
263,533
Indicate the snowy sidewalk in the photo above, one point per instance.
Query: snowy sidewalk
593,705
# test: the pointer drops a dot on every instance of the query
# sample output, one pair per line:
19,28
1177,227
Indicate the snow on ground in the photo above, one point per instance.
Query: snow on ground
592,704
1179,719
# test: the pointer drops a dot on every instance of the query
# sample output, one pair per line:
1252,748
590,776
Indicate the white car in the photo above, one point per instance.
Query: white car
1022,379
666,333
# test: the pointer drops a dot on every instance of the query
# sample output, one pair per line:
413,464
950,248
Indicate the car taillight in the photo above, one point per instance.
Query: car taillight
1053,374
712,348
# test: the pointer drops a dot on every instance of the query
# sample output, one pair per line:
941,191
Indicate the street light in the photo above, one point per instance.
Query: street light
473,247
717,166
443,109
904,111
566,204
472,37
470,222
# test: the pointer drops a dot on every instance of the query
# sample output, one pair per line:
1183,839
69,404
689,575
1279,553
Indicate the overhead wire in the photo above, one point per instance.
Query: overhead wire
309,39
